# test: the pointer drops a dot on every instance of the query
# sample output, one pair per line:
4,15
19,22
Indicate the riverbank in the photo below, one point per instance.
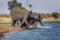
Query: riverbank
51,19
4,19
8,28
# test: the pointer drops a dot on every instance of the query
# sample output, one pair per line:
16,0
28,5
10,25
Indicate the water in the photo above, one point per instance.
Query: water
52,33
5,22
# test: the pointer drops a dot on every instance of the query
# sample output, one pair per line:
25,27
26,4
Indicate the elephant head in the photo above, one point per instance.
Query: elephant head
33,18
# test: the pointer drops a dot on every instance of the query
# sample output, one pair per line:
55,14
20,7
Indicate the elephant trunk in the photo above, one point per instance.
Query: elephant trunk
41,23
40,20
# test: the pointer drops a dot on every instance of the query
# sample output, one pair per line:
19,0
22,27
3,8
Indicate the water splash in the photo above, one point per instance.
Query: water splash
44,27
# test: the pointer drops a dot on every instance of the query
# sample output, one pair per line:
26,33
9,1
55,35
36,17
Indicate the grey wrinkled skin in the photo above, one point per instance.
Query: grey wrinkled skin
33,18
19,14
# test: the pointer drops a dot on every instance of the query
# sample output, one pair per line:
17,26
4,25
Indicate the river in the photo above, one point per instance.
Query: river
50,33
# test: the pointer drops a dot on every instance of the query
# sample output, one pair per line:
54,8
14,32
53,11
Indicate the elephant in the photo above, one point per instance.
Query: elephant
33,18
25,17
19,14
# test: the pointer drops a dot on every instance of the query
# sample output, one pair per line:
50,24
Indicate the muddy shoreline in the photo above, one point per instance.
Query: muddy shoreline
5,28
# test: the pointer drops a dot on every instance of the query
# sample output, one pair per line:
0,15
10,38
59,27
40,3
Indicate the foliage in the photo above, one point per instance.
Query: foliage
58,15
13,3
30,7
47,15
43,15
55,15
5,15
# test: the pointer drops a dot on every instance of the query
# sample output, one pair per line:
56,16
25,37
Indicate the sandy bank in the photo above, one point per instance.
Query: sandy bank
3,19
50,19
8,28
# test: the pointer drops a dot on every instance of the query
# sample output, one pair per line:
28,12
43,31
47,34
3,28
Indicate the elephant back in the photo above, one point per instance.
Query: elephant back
34,15
18,13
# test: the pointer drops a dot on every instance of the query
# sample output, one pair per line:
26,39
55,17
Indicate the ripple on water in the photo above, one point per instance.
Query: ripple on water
33,34
52,33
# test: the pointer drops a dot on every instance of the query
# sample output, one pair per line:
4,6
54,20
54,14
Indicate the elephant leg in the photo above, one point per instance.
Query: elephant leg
17,22
41,23
24,25
14,22
33,25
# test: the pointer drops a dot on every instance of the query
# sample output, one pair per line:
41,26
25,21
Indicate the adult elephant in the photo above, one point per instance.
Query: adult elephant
19,14
33,18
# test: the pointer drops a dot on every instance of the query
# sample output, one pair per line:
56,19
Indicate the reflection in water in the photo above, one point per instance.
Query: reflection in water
52,33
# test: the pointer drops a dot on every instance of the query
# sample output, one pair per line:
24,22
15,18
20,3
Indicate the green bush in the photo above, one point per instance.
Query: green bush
55,15
13,3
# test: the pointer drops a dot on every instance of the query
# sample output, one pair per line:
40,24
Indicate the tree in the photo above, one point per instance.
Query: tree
30,7
13,3
19,5
55,15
